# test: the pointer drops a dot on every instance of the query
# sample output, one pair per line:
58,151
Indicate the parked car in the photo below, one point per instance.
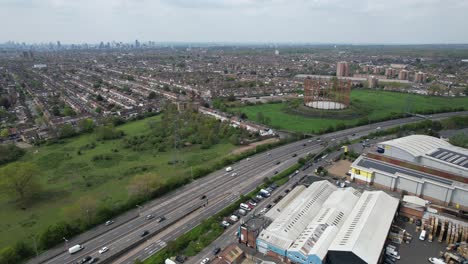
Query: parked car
252,203
205,260
103,250
263,210
436,261
216,250
110,222
259,197
225,223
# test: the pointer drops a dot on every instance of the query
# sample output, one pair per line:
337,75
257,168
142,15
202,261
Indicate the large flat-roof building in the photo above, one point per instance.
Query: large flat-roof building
420,165
284,230
312,244
362,237
308,225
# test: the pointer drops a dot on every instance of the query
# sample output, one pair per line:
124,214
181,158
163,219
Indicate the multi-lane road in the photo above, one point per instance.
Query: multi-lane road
185,208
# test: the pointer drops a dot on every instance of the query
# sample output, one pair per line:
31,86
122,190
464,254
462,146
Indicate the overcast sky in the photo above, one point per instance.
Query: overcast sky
316,21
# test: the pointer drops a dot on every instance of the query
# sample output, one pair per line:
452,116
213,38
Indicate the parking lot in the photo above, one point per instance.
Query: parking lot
418,251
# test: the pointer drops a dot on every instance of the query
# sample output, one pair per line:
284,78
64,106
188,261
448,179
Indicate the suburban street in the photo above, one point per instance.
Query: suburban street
184,206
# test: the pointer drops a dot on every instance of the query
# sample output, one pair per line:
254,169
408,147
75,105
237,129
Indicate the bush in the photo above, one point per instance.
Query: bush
9,153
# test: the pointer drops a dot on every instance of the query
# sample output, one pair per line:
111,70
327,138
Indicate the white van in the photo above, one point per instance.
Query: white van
228,169
422,236
234,218
244,206
75,249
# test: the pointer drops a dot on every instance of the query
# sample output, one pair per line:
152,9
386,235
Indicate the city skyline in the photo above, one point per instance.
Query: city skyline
229,21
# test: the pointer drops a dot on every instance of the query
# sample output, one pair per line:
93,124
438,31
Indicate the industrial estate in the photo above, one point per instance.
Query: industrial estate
229,153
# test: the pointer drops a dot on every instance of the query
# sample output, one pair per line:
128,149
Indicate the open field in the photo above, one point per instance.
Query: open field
67,175
366,104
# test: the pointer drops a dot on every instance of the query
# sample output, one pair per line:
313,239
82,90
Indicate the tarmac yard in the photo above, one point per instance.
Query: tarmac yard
418,251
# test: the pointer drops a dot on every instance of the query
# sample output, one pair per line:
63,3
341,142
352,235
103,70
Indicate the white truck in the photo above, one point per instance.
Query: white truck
75,249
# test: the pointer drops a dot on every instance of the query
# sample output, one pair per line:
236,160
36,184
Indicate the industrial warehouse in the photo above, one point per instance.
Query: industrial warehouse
420,165
325,224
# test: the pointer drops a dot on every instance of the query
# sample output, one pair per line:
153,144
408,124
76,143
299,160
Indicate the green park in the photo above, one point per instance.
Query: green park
366,106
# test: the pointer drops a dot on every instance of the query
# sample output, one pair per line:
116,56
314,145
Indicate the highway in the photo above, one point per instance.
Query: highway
220,188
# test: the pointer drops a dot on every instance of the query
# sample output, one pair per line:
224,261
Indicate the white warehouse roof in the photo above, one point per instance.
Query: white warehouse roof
297,215
365,230
319,234
281,205
417,145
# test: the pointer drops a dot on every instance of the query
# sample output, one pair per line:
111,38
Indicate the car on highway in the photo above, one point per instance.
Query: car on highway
304,144
278,162
294,155
103,250
268,153
310,140
228,169
93,260
84,260
276,172
248,159
160,219
144,233
234,174
150,216
216,250
110,222
205,260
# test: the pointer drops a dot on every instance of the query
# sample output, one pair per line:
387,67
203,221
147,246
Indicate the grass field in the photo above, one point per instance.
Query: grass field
375,105
66,176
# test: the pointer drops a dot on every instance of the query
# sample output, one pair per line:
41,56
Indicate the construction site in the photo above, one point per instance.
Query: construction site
325,94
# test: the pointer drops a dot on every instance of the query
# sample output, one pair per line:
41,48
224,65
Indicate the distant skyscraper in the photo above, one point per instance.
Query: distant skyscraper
342,69
276,52
59,45
137,43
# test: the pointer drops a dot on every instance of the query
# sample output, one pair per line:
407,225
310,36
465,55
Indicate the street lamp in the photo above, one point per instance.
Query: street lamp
66,242
139,209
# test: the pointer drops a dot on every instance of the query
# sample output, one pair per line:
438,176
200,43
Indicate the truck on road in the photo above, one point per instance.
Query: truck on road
75,249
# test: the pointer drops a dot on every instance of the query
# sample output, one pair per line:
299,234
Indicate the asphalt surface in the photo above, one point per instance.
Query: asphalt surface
219,187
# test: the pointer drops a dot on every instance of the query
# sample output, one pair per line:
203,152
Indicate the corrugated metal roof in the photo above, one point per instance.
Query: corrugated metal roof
297,215
417,145
318,235
365,230
276,210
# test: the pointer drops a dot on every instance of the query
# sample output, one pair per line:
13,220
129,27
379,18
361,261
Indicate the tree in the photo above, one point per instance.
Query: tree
152,95
21,181
9,153
99,98
86,125
4,133
144,185
84,208
66,131
5,102
108,132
